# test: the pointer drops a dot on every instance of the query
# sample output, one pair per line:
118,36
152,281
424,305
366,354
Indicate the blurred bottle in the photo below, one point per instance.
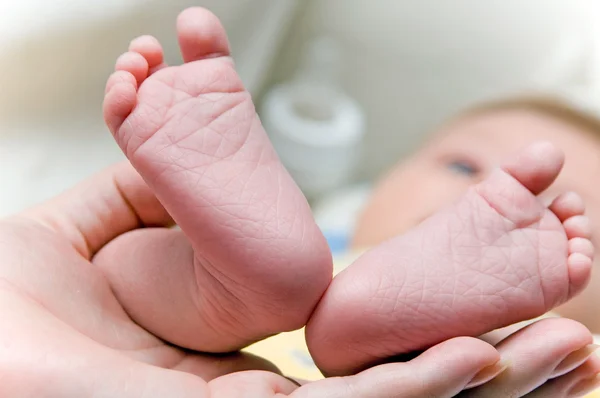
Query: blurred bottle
315,127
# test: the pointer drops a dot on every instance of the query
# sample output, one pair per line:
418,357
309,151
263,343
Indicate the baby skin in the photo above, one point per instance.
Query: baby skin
496,257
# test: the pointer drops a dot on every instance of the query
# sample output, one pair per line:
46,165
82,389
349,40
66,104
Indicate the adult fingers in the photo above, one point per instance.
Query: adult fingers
441,371
101,208
535,354
577,383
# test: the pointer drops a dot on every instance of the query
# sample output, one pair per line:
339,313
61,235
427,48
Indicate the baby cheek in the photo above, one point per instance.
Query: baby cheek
428,197
447,189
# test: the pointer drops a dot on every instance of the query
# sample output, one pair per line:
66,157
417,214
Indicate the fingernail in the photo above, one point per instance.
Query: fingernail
296,382
585,386
574,359
487,374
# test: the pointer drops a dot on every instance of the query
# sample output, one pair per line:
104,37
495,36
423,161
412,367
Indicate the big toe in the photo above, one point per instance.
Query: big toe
201,35
512,189
537,166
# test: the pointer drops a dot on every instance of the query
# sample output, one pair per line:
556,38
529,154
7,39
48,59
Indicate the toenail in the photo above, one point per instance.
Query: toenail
570,202
579,259
579,226
574,359
582,246
487,374
144,38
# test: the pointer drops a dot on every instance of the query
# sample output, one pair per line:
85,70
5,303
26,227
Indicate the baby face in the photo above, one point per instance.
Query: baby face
465,152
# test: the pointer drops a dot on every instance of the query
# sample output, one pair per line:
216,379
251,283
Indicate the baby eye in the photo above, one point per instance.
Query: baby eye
464,168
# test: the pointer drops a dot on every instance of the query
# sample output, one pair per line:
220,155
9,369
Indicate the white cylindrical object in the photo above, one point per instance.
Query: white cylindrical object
317,132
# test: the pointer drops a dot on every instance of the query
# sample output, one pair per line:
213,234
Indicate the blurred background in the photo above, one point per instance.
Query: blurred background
345,88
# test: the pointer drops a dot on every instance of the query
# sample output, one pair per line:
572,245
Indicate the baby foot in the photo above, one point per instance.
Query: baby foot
496,257
259,263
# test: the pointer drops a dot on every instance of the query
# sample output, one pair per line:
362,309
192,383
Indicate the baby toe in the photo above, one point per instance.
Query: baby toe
578,227
134,63
536,166
512,191
580,268
149,48
582,246
120,99
567,205
120,77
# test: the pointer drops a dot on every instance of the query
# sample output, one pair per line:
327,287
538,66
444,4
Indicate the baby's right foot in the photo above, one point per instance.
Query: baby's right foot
496,257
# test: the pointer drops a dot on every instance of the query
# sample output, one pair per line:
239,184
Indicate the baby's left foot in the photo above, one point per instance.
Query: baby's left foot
254,262
496,257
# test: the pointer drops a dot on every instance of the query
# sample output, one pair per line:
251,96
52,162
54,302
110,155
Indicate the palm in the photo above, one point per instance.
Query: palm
55,281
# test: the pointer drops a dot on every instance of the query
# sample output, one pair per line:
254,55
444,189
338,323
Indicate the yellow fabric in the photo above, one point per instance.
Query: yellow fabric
288,351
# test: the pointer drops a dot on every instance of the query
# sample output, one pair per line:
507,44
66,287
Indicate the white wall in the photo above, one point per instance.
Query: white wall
412,63
55,56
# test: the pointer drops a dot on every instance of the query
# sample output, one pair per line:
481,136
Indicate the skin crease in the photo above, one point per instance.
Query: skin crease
463,153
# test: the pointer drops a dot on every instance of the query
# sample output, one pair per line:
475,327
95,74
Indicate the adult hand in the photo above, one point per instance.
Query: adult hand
547,358
65,334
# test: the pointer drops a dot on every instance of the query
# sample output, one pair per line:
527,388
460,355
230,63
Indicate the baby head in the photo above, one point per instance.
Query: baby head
464,151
